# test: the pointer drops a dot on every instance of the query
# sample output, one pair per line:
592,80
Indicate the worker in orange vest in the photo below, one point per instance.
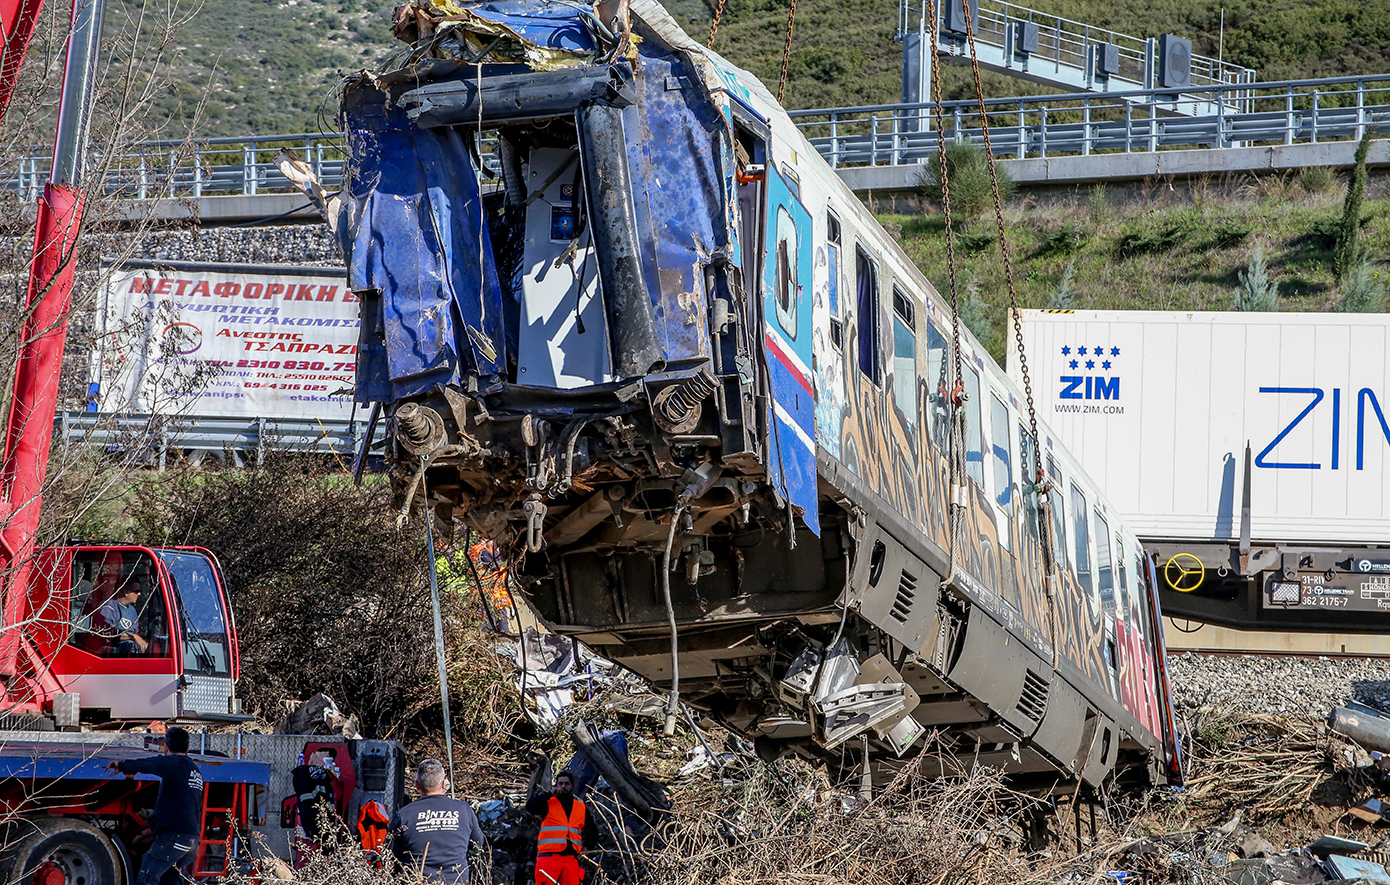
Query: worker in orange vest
565,829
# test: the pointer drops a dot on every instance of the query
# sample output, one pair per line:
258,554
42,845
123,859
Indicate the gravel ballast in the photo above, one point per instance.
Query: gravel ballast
1280,685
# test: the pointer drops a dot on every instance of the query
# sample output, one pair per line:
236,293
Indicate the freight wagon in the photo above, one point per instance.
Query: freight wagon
1249,452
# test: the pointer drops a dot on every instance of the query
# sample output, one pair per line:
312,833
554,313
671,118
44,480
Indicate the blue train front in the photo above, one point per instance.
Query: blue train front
601,281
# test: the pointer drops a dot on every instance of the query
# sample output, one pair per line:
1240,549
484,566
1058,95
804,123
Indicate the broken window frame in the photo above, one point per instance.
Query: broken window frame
787,297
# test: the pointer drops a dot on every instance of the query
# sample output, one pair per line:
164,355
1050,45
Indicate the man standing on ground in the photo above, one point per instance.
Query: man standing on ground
565,829
177,810
433,833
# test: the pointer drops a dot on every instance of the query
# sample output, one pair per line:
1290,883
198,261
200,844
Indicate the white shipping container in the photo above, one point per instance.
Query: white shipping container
1158,407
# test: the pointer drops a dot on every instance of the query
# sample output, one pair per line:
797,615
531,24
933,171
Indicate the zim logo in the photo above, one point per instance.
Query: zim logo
1095,388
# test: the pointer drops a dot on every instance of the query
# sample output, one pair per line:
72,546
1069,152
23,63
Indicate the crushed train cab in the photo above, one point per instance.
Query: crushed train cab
627,323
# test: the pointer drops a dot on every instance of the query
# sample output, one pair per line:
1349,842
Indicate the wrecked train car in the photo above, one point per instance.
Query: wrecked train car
624,320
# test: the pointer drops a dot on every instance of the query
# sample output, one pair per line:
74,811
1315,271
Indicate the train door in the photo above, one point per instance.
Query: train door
786,309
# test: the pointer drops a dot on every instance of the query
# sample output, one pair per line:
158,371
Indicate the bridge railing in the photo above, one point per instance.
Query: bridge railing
1285,112
1063,43
197,168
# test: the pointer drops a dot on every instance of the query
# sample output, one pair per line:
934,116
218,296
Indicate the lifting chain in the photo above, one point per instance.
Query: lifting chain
714,25
1040,490
954,394
1003,238
787,51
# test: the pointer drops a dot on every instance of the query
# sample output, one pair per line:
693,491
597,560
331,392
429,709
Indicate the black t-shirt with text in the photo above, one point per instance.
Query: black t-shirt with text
439,830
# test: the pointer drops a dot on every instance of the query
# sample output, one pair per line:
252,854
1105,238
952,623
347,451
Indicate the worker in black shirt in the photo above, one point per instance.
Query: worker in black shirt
432,834
177,818
566,828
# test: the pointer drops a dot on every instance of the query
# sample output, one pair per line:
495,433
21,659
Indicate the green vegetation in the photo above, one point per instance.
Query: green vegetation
1159,249
967,180
1257,291
267,66
1348,248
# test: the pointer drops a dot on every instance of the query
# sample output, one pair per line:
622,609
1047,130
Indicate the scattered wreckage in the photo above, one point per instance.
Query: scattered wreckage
623,320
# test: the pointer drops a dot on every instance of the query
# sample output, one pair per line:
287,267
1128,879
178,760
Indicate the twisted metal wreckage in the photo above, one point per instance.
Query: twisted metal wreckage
718,448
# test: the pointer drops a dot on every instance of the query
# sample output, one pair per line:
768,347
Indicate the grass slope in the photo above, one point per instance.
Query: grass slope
269,65
1157,250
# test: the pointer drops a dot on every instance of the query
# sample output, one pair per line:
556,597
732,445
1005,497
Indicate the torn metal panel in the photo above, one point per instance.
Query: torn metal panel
417,239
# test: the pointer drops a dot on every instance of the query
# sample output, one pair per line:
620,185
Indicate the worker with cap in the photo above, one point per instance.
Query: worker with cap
432,835
177,819
566,828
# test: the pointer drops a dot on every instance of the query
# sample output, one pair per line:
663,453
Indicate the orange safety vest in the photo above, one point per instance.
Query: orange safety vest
372,829
559,831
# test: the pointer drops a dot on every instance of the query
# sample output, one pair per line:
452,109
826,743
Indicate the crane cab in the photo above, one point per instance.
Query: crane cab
135,633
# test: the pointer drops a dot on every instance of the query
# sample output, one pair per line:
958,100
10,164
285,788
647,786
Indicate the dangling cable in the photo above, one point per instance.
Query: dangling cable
673,700
787,51
438,626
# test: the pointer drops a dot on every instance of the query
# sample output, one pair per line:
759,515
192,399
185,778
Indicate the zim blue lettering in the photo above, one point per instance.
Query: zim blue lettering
1317,394
1072,382
1364,395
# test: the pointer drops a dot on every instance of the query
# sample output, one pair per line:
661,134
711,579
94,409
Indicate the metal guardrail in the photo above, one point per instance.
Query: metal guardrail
205,167
153,438
1066,45
1285,112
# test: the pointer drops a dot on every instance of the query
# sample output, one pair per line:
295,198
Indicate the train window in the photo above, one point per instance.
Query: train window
1027,481
832,235
999,426
1105,576
1059,519
788,292
1141,596
1081,540
974,442
904,356
938,387
866,308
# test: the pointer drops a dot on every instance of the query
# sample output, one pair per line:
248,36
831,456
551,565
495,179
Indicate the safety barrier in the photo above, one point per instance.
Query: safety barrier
151,439
1285,112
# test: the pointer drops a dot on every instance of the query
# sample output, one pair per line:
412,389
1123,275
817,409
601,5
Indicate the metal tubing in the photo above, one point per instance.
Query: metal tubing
608,184
75,105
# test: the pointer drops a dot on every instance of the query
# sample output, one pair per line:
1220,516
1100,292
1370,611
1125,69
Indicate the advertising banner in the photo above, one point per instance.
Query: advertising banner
228,340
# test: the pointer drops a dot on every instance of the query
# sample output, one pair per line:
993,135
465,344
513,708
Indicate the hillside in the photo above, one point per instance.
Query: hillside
1152,249
270,66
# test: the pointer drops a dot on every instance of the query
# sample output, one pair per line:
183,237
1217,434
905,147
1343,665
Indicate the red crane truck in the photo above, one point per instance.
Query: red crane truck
115,632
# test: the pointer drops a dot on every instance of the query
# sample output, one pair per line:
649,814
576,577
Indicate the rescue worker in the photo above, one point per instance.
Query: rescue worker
177,820
432,835
565,829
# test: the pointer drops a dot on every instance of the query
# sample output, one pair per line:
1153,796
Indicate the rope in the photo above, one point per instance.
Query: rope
1040,486
786,50
714,25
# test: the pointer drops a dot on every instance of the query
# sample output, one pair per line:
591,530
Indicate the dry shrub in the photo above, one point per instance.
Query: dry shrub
787,823
331,597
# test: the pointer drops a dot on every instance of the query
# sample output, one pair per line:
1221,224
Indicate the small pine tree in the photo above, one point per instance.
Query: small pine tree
974,312
1065,297
967,170
1362,292
1257,291
1348,247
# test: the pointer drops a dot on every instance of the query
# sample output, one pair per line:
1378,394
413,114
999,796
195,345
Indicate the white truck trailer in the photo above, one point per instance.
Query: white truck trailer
1248,450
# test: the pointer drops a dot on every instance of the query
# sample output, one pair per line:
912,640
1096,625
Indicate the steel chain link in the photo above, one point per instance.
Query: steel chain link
714,25
787,51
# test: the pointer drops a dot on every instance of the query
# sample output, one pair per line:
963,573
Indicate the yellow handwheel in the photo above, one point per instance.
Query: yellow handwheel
1184,572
